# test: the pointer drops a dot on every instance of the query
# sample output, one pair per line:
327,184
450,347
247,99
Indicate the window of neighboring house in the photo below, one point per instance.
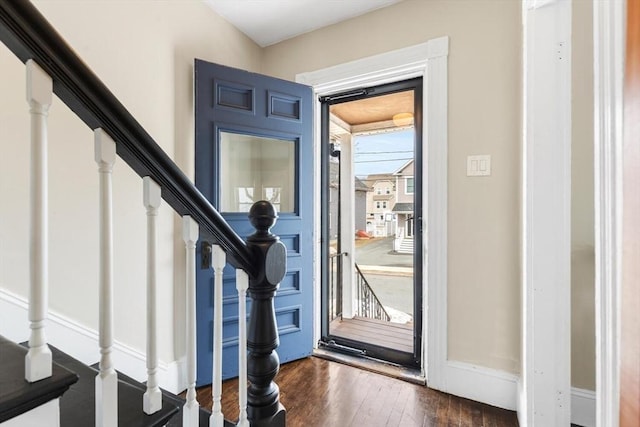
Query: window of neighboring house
378,190
387,190
377,205
384,205
409,187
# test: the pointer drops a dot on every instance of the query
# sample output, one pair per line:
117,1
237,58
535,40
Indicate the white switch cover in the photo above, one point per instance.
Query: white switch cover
479,165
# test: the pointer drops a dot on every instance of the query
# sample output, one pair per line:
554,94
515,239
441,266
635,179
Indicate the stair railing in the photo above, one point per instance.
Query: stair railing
368,304
53,67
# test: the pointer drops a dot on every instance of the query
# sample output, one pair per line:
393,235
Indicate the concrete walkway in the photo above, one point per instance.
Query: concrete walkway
390,275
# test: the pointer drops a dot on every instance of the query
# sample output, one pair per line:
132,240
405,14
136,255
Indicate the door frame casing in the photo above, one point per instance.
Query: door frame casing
544,389
429,61
608,39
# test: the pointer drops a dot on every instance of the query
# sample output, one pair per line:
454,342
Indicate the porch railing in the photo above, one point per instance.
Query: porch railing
367,302
53,67
369,305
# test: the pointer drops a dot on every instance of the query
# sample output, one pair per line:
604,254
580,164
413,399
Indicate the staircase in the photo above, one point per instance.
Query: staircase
18,397
406,246
72,382
41,385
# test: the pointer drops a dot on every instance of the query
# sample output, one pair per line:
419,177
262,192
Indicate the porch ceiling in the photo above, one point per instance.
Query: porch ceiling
374,110
379,114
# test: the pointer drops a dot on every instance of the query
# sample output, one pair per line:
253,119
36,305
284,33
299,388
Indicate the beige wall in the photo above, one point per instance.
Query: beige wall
583,338
484,118
143,51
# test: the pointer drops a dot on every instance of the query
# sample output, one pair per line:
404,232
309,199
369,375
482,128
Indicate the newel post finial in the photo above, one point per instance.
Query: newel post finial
270,254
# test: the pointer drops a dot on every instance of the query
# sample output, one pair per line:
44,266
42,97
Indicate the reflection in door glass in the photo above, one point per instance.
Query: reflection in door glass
254,168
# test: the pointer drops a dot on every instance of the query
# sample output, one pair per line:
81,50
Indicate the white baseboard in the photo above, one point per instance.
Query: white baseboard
521,407
485,385
583,407
502,389
81,343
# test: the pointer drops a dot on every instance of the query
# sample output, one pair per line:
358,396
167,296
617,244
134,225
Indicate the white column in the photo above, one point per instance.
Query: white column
107,378
545,389
190,236
242,284
39,95
347,226
219,259
151,195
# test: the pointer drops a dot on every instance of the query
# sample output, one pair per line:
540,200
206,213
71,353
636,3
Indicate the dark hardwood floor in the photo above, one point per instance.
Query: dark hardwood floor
321,393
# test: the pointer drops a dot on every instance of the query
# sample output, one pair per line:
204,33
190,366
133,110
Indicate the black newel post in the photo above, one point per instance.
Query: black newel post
263,406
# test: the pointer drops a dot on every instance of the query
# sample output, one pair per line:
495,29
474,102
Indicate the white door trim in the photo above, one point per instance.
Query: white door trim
545,387
429,61
608,40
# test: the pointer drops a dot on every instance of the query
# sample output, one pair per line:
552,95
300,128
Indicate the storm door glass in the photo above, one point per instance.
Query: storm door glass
254,168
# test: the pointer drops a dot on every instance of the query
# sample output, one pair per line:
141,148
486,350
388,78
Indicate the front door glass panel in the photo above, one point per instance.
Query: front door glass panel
254,168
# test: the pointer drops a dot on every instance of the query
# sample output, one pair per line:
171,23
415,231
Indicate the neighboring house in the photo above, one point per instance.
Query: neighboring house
361,191
403,206
380,201
360,199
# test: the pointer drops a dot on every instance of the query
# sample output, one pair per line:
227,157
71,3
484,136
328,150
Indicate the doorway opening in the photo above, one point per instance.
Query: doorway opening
371,222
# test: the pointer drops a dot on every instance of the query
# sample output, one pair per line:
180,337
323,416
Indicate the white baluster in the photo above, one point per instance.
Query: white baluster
219,259
190,236
152,399
39,95
107,378
242,284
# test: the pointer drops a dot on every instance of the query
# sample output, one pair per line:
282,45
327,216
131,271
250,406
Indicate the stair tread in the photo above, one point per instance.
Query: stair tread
176,421
77,406
18,396
203,420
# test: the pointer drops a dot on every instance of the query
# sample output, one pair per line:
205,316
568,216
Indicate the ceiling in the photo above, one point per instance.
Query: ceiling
271,21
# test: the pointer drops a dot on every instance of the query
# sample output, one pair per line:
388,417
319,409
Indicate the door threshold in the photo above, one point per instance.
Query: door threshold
374,365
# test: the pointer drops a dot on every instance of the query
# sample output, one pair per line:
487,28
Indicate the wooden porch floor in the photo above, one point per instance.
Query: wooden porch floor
384,334
321,393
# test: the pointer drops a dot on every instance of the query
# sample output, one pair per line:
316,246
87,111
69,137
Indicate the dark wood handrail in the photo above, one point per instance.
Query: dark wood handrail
29,35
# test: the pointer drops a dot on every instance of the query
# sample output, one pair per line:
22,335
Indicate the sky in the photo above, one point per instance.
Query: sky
382,153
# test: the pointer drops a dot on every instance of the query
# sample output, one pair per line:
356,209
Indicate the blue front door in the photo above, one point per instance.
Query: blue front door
254,142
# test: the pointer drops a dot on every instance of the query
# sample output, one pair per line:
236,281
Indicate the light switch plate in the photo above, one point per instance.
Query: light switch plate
479,165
